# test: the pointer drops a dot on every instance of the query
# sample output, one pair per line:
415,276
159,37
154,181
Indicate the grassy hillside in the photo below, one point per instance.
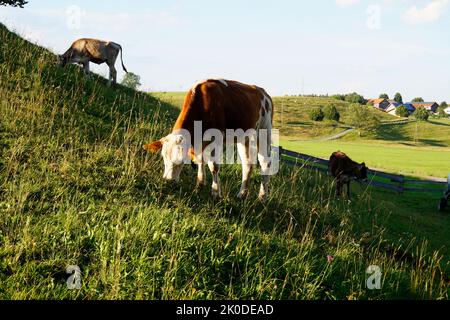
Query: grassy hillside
77,189
292,117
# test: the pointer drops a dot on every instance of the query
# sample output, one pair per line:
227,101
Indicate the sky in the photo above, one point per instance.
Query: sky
285,46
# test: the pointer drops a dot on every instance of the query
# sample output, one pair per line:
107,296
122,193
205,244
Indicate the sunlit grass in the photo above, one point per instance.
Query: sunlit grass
76,188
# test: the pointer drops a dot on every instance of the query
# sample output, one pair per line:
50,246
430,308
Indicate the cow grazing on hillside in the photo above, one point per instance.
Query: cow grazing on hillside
344,170
221,105
85,50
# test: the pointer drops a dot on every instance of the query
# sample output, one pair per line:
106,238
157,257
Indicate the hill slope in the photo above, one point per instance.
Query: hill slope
77,189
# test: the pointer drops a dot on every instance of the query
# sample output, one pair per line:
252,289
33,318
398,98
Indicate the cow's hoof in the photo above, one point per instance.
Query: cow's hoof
262,197
242,195
201,183
217,195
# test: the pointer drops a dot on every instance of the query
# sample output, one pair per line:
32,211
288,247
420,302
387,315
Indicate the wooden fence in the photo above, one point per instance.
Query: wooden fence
395,182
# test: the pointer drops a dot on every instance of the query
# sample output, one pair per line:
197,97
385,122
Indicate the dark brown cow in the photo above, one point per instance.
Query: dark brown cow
221,105
344,170
86,50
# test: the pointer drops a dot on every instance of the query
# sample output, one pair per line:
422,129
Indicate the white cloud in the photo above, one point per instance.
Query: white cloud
432,12
346,3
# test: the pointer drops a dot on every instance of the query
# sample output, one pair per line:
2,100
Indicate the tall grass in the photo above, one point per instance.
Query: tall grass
77,189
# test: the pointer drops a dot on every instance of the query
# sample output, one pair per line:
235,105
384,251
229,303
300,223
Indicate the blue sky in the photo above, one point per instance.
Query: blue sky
286,46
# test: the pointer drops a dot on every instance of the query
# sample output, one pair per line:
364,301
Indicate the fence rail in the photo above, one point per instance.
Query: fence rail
390,181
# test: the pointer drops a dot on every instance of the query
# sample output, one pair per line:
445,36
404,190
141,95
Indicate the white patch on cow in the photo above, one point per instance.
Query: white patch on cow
222,81
174,153
265,114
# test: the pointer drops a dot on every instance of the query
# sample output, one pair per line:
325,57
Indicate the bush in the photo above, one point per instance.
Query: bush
316,114
355,98
402,111
441,113
338,97
421,114
331,113
362,119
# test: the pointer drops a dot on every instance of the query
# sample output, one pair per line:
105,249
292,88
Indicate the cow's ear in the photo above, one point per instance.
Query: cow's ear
154,146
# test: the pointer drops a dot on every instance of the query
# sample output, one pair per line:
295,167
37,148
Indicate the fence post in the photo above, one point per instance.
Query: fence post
280,153
402,185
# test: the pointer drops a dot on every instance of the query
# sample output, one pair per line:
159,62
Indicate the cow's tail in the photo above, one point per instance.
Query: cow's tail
121,59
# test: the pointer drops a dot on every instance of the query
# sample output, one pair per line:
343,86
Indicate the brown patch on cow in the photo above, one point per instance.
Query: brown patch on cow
236,106
154,146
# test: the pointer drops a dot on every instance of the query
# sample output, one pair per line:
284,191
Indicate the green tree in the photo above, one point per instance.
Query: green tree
362,119
421,114
316,114
338,97
398,98
14,3
384,96
441,110
441,113
331,113
402,111
131,80
355,98
418,100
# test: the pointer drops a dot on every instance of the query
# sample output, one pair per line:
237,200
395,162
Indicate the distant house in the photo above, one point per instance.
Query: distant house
447,110
392,105
392,109
381,104
430,106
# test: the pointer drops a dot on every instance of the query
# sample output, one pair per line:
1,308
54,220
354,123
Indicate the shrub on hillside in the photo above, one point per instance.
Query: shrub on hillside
338,97
355,98
441,113
316,114
402,111
331,113
421,114
362,119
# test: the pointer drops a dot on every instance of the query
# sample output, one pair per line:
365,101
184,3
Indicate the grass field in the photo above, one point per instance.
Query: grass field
76,188
395,158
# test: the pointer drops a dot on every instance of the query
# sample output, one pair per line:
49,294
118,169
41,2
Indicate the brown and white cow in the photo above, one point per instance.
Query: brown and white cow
222,105
344,170
86,50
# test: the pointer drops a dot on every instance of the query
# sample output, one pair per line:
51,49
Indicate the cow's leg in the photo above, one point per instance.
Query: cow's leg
86,67
215,188
348,189
338,186
201,174
264,159
244,154
112,74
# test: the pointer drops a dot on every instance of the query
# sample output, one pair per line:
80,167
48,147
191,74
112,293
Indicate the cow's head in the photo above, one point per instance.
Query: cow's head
360,172
62,60
175,150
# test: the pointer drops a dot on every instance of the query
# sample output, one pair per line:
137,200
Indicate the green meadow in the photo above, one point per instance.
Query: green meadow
395,158
76,188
